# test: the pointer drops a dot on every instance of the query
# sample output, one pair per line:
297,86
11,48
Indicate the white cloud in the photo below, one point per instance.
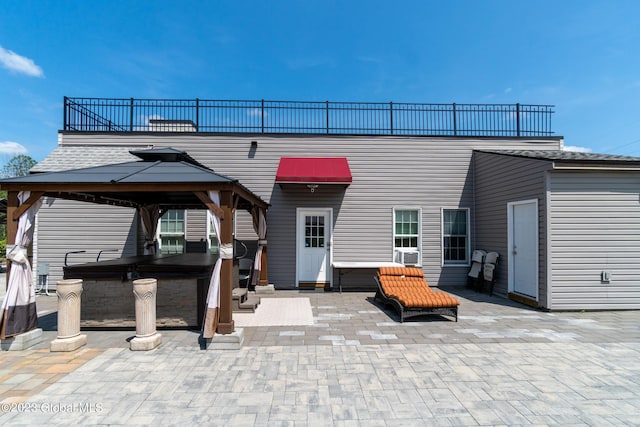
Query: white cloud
577,149
256,112
10,147
19,64
508,90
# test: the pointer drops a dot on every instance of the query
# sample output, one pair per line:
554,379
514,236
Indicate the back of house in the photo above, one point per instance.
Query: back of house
346,182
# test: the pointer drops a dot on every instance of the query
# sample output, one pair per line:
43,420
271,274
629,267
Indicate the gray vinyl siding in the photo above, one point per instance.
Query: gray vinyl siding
501,179
65,226
244,226
595,227
196,225
425,172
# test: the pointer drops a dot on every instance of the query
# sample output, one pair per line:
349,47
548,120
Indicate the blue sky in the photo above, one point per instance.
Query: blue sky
582,56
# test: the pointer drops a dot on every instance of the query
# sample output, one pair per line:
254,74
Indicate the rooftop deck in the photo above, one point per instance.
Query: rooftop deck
301,117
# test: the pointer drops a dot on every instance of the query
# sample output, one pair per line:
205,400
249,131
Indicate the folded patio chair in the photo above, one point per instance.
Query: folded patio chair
406,290
489,269
475,272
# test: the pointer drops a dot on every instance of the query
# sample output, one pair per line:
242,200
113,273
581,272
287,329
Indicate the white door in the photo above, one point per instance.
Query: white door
314,246
523,247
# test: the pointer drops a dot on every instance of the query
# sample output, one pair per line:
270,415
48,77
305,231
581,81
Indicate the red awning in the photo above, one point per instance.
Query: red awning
313,170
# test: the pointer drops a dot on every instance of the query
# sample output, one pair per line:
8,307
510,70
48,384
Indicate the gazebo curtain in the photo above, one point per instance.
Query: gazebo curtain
260,227
19,313
210,323
150,216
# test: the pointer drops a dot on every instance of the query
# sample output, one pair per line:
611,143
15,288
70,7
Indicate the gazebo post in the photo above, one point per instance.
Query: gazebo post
264,279
225,323
12,226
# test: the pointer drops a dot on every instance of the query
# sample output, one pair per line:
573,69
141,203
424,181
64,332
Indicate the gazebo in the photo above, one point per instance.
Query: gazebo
163,179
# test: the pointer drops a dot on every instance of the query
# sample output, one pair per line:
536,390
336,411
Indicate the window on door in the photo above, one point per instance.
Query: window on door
455,236
171,232
314,231
406,236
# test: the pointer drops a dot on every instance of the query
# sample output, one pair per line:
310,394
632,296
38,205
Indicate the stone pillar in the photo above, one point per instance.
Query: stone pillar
69,337
147,338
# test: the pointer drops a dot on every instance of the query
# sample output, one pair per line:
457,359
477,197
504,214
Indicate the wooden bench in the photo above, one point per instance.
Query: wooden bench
342,266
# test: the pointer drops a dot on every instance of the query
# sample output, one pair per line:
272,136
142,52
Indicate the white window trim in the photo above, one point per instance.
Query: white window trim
444,263
393,226
159,228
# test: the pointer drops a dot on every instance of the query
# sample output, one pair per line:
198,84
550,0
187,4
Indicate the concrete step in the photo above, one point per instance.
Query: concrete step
239,294
249,305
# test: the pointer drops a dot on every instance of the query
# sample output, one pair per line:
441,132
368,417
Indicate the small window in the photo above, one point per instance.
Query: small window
171,232
455,236
314,231
406,236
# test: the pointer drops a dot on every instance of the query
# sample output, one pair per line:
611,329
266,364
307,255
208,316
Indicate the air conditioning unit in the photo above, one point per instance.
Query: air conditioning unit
409,257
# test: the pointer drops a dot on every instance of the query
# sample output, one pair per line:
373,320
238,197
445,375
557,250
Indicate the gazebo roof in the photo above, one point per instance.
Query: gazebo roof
164,176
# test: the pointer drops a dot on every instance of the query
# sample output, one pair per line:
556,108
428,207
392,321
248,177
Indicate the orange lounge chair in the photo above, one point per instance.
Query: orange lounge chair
406,289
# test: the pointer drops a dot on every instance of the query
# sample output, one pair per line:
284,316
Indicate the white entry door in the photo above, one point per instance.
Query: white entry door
523,247
314,246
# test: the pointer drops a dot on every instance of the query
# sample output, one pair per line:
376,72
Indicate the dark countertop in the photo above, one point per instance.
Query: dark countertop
174,265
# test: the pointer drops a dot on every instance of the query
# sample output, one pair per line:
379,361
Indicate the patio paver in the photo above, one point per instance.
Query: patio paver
501,364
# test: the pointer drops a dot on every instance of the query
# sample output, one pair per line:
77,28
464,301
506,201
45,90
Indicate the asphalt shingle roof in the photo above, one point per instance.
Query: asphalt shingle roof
571,156
79,156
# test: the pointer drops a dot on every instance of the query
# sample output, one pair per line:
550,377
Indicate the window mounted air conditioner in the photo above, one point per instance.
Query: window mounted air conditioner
408,257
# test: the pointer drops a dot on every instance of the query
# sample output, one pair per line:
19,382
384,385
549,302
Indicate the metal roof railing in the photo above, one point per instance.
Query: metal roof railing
302,117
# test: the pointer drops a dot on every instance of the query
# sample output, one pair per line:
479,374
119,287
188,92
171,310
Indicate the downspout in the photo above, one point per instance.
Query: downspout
548,244
473,203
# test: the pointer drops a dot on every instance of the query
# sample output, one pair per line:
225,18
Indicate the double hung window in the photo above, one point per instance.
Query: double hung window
171,232
455,236
406,236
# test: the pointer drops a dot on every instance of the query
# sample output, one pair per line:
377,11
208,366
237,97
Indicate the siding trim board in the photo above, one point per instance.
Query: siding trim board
559,166
547,294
